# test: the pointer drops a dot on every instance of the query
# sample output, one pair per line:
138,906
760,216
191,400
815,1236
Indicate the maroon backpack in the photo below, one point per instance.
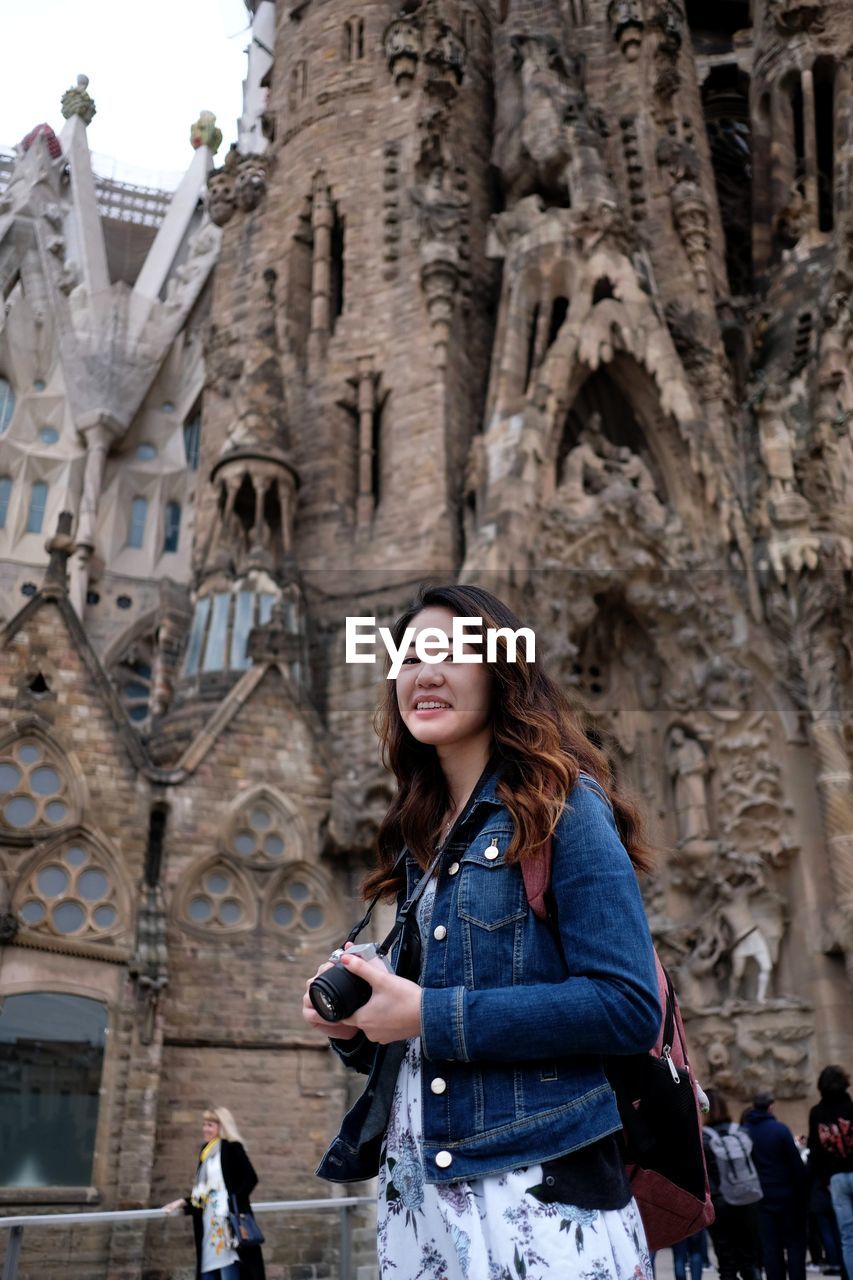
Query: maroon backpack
658,1105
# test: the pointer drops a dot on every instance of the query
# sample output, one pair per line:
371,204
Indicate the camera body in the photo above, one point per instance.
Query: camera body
337,993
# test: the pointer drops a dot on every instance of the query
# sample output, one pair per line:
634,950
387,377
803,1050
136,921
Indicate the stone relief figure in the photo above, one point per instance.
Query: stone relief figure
439,209
752,914
600,476
776,444
688,769
530,147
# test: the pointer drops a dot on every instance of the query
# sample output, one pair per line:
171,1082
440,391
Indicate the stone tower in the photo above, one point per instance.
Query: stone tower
553,295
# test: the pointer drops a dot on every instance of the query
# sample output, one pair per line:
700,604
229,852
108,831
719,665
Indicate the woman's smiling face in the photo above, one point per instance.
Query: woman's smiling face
443,704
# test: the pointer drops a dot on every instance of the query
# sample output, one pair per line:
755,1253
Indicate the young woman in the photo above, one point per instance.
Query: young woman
487,1113
224,1171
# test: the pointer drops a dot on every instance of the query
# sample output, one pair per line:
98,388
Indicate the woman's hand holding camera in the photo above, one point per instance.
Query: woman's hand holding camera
393,1011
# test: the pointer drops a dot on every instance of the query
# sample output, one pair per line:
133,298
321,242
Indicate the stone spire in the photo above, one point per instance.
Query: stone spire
254,474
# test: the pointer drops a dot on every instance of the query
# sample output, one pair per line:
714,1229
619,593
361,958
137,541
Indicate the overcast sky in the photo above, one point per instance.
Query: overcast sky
151,66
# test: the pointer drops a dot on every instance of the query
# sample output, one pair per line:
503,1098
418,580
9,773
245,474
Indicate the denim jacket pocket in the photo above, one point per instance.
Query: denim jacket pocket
491,891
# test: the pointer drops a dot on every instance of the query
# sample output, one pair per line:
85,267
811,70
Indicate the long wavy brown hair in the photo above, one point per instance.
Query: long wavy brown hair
536,736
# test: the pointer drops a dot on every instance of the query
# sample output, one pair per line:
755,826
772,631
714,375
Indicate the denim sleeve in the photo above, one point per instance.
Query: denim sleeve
356,1053
609,1004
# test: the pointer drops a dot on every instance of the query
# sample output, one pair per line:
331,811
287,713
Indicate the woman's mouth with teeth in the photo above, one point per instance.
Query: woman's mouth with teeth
431,705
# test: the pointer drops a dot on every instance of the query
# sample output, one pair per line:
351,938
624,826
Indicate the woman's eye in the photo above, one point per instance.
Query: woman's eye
408,661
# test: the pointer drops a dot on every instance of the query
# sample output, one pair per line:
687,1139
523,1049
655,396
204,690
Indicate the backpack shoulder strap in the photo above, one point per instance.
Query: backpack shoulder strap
536,869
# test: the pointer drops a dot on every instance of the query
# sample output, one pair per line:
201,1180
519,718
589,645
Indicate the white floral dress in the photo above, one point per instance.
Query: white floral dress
493,1228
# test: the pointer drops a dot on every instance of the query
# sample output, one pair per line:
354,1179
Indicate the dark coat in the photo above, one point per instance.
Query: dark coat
240,1180
780,1166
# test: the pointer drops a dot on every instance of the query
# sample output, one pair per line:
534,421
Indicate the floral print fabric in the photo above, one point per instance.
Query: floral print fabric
493,1228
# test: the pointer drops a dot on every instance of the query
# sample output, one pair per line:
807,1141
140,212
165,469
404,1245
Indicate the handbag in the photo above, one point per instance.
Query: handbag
244,1228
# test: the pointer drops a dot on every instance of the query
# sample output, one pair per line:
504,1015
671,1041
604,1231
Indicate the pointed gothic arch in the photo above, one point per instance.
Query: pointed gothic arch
74,887
300,906
633,414
264,829
215,896
42,786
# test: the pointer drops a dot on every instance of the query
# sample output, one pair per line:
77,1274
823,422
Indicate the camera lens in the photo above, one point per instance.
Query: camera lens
337,993
325,1006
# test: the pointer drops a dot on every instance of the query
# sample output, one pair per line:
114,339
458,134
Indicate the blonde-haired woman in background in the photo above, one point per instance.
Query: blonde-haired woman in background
224,1175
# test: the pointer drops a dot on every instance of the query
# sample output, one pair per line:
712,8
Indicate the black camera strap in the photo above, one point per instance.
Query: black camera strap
405,911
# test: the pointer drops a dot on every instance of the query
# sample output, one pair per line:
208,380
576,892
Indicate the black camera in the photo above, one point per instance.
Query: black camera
337,993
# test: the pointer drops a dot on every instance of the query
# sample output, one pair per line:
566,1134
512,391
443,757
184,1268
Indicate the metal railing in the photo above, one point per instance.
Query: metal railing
329,1204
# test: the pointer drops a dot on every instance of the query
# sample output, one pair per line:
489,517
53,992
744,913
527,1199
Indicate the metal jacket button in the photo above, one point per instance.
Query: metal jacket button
444,1159
439,933
438,1085
453,868
492,852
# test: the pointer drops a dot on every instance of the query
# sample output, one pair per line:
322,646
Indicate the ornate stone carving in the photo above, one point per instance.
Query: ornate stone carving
792,16
626,26
204,133
766,1047
531,148
688,768
680,163
77,102
600,477
402,41
220,196
251,182
445,57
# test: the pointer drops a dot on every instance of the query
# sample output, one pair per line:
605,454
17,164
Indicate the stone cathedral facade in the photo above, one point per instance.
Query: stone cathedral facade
551,295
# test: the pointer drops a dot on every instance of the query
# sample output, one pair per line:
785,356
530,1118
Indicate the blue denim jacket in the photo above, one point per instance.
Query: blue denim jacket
516,1014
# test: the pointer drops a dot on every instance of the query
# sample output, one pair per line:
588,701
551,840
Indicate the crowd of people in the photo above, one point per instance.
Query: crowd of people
783,1204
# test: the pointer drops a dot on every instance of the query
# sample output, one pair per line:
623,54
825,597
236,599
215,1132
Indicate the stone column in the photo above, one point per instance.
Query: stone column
366,500
834,780
809,146
321,226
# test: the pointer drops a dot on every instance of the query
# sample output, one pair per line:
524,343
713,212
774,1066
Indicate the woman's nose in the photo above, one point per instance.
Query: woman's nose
430,674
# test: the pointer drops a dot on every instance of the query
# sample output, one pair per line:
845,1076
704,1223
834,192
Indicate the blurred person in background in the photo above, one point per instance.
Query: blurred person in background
831,1153
782,1213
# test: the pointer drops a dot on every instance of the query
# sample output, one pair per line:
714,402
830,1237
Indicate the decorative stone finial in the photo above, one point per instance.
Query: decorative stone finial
77,102
204,132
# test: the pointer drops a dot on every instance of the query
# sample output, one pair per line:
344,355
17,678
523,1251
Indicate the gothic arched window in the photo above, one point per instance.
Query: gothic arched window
172,527
216,897
7,403
5,495
72,893
38,504
35,791
138,518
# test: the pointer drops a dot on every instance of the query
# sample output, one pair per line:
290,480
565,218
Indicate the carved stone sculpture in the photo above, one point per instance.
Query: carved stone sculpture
402,41
688,769
77,102
204,132
626,25
251,182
